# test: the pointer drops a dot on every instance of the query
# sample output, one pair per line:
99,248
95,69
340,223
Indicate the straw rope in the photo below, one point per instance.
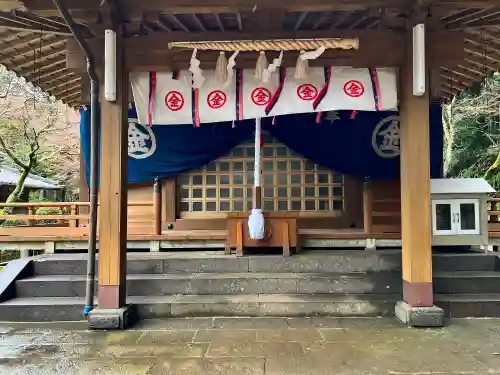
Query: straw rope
270,45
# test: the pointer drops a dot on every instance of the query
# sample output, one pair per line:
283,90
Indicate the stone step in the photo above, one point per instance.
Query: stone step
70,309
221,284
465,262
309,261
466,282
485,305
217,262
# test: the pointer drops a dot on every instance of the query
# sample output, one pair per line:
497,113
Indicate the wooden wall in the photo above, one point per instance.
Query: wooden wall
386,206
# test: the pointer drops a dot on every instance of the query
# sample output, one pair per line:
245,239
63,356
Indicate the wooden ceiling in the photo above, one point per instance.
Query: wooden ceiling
33,41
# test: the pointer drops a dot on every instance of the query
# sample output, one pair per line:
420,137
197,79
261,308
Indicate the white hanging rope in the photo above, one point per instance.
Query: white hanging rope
256,172
221,68
261,66
301,68
256,228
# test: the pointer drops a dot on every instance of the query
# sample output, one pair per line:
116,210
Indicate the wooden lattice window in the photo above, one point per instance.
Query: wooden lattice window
289,183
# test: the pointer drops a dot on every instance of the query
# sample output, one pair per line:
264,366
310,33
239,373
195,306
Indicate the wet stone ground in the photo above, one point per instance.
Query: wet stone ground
234,346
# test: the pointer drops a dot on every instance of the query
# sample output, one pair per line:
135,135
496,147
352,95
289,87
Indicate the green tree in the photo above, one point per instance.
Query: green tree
30,122
471,124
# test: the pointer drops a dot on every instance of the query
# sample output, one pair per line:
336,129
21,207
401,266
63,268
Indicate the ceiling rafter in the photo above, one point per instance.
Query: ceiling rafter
20,50
456,78
38,71
471,17
198,22
65,90
300,19
240,21
53,56
61,79
340,20
459,72
163,24
321,19
219,22
61,84
178,22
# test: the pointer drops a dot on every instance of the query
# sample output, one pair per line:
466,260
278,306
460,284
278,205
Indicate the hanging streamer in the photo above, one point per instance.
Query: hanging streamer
266,75
151,98
195,107
322,93
239,94
261,66
229,70
277,93
194,68
377,96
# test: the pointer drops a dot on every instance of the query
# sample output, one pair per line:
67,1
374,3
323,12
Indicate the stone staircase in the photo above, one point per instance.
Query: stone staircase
336,283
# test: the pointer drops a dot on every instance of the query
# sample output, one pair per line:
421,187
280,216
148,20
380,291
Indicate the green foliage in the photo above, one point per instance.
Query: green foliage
48,211
471,124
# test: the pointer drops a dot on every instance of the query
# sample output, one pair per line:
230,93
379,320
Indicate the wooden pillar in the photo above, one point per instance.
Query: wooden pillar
157,207
113,191
415,190
169,212
367,207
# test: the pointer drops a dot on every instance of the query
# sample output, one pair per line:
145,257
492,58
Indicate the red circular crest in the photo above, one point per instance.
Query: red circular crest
216,99
354,88
174,100
307,92
261,96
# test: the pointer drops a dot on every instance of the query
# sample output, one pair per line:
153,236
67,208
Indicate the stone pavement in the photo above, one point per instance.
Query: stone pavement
252,346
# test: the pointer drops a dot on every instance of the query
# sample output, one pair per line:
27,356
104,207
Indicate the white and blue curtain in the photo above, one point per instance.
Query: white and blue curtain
360,144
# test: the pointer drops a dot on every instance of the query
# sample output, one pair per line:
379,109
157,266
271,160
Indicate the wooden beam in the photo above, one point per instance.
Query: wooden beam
159,41
80,8
415,189
113,192
152,53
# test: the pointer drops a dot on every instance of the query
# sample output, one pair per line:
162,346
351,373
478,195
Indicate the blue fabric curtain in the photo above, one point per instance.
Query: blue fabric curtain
179,148
364,145
349,145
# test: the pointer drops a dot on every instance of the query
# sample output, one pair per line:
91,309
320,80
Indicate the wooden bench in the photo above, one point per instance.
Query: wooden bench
280,227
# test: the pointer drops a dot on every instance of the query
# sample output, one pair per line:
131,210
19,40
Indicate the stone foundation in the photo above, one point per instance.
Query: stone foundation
121,318
419,316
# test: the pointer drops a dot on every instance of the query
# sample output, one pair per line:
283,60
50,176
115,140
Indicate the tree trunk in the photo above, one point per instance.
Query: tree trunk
493,167
15,196
447,121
